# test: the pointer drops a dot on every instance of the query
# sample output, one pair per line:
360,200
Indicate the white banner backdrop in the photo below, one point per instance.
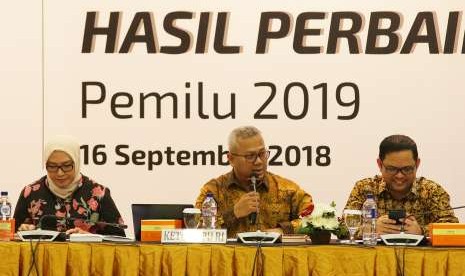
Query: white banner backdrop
322,115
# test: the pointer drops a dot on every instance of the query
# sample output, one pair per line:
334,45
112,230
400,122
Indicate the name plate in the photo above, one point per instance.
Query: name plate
193,236
447,234
7,229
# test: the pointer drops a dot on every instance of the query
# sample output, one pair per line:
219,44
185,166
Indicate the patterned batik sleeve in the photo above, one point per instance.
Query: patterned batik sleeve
109,213
203,194
357,195
225,217
300,201
440,208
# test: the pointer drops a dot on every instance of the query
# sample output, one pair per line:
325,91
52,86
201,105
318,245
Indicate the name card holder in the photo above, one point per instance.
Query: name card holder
7,229
447,234
193,236
151,228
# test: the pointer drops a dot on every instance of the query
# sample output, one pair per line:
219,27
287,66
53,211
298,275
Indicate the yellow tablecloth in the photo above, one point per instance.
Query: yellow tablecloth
153,259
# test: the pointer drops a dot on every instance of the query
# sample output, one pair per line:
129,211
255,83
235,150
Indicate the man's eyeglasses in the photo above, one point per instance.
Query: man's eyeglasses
395,170
63,167
252,157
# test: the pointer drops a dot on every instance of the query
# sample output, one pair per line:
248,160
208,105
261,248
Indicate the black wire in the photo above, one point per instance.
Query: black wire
403,262
258,253
33,260
35,257
398,268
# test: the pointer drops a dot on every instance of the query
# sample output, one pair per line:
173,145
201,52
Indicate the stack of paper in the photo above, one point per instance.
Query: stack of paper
85,237
290,238
113,238
88,237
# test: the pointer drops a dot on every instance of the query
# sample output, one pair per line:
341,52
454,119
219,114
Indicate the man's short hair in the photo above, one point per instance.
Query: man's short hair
242,132
395,143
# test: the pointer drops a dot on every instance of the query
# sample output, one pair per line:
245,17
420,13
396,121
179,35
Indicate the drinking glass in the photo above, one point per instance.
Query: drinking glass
352,219
191,217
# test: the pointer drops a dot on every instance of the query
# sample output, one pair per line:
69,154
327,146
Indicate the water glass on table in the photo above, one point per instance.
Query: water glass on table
191,217
352,219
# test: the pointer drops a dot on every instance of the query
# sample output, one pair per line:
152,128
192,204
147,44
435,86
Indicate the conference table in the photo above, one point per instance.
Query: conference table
66,258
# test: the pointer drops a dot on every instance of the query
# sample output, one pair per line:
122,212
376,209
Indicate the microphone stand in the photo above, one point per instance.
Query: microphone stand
254,219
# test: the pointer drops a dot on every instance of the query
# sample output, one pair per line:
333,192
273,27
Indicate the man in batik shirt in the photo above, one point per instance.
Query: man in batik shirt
277,200
398,188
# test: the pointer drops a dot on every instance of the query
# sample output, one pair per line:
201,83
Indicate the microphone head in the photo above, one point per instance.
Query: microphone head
48,222
253,177
253,180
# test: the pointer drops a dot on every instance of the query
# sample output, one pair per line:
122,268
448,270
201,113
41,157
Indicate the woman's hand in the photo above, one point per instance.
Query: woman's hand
76,230
26,227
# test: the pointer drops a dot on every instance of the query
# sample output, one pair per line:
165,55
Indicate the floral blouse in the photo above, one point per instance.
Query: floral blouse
90,204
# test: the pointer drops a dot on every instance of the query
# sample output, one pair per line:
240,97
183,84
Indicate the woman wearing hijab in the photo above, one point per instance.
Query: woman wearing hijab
79,204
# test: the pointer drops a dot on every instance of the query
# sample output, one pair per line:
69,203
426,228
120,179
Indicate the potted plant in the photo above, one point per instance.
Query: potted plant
319,221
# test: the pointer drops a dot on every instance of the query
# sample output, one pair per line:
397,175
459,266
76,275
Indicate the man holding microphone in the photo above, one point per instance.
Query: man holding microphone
249,197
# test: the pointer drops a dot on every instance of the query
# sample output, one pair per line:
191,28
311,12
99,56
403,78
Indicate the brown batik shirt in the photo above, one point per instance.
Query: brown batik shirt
281,201
427,200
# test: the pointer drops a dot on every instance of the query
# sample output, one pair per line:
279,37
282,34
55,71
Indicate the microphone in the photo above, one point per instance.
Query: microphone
48,222
253,180
117,225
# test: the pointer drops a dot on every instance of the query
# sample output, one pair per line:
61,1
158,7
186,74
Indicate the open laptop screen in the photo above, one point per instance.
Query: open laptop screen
155,211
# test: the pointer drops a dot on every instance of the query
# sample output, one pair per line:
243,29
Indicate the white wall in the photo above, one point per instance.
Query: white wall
419,94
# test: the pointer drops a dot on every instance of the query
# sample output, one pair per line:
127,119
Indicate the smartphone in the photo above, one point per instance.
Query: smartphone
396,215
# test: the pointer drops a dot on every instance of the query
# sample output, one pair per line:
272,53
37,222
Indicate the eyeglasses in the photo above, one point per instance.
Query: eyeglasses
63,167
252,157
395,170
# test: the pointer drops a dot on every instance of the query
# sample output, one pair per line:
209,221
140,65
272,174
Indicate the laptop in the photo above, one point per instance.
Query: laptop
155,211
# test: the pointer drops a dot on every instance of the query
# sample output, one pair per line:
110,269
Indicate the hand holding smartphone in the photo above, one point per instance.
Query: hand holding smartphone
396,215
